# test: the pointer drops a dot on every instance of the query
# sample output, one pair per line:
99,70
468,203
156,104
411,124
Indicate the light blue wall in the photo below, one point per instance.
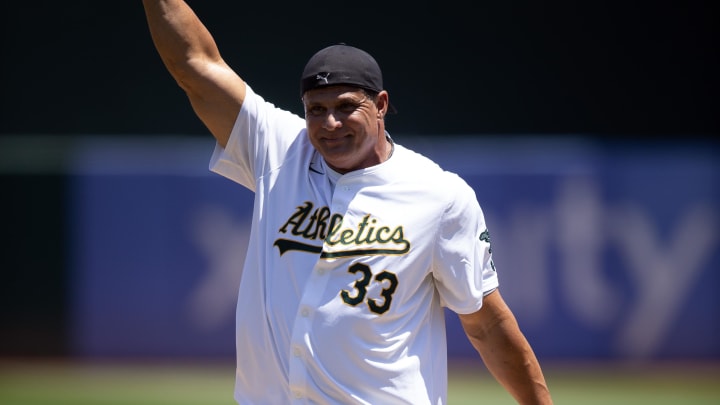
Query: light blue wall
604,250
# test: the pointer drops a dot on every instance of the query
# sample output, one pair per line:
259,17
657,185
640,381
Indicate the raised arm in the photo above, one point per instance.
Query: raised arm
189,52
495,334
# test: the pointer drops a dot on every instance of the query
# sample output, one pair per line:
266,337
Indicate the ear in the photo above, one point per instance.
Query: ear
382,103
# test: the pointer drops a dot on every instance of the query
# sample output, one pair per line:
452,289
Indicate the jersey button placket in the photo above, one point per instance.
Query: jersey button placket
298,371
300,350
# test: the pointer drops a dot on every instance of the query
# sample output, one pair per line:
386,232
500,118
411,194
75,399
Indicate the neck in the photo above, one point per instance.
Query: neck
391,144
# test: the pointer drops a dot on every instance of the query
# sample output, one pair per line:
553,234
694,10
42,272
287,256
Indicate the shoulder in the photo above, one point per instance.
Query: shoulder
267,113
437,188
423,169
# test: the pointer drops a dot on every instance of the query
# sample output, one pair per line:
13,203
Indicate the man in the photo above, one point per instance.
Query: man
357,242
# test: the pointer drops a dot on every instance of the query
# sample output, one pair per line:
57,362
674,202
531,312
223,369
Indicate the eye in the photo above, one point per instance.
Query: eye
315,110
348,107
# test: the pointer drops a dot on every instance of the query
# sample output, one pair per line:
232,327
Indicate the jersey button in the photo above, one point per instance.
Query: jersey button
297,394
296,351
321,271
305,312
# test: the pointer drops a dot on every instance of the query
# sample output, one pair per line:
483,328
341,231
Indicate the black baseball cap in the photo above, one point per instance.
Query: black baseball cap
342,64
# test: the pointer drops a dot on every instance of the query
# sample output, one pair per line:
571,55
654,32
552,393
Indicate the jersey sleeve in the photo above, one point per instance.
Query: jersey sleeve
258,143
462,266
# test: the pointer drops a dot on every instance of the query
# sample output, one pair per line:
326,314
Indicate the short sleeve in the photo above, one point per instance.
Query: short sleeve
258,142
462,261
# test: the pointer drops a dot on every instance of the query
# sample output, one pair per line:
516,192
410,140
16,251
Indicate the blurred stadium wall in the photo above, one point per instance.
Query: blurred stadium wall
130,247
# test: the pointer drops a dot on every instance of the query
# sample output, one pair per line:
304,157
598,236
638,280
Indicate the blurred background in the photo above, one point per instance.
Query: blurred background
586,129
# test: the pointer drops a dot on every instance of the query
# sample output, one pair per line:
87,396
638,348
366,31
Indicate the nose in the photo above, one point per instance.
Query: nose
330,122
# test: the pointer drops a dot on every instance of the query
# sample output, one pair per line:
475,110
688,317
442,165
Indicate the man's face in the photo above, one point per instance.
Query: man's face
344,126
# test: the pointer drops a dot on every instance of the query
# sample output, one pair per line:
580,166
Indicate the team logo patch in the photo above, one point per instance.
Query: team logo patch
485,237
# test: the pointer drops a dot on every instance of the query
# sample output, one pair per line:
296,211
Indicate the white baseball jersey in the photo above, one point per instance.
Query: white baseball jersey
346,276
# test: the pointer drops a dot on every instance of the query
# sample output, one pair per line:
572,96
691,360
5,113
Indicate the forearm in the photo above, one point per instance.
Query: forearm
179,36
495,334
510,359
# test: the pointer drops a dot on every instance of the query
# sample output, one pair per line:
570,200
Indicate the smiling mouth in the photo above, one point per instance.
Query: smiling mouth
335,139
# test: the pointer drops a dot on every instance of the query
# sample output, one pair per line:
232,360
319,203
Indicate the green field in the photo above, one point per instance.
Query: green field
64,383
